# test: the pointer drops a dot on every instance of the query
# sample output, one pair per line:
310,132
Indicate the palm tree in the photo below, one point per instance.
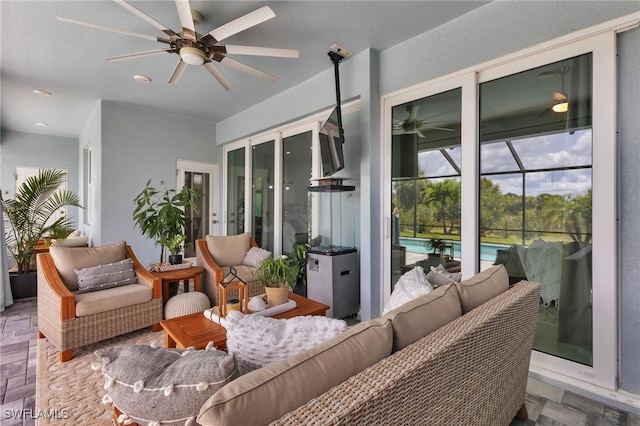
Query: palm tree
26,216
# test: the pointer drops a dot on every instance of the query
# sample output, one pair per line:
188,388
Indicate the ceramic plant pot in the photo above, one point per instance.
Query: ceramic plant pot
277,295
175,259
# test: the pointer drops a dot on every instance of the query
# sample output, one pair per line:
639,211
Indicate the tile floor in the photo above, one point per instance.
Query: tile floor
546,404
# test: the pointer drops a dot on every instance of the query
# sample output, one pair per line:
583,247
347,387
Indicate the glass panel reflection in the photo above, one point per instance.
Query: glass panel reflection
262,163
425,186
535,195
296,171
235,191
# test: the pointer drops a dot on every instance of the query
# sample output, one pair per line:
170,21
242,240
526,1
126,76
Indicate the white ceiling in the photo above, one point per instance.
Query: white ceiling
41,52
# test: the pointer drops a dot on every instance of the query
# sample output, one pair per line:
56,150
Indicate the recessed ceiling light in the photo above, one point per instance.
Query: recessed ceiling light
142,78
42,125
42,92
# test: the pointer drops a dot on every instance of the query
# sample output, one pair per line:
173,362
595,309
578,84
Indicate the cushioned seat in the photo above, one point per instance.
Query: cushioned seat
96,302
185,304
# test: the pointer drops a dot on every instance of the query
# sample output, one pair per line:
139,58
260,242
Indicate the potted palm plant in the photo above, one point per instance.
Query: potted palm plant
278,276
160,214
27,221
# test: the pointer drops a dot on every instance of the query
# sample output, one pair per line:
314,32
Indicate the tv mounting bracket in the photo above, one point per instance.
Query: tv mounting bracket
336,56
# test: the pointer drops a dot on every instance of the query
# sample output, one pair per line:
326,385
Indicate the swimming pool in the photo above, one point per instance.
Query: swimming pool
487,251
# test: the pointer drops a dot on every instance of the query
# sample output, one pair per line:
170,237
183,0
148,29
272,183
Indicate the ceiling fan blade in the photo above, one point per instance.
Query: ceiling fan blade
420,135
414,112
145,17
242,23
262,51
136,55
186,19
218,75
437,128
559,96
177,72
249,70
114,30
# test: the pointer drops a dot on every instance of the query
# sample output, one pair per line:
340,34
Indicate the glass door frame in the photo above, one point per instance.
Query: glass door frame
602,44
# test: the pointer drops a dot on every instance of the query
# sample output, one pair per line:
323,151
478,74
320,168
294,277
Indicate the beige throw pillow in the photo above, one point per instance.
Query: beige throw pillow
229,250
482,287
68,259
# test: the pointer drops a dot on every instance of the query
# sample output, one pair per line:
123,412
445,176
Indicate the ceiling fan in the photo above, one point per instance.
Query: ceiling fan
411,125
560,101
200,49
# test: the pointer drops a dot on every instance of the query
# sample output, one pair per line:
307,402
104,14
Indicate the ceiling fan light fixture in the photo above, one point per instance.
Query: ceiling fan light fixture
192,56
562,106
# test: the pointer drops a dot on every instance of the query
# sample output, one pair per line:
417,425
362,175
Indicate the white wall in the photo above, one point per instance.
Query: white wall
18,149
138,144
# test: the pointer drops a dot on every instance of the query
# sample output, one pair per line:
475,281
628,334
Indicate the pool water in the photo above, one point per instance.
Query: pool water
487,251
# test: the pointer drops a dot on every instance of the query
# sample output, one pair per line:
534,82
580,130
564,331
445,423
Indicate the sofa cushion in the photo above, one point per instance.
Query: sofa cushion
96,302
254,256
151,384
422,316
411,285
228,250
298,379
257,340
68,259
482,287
102,277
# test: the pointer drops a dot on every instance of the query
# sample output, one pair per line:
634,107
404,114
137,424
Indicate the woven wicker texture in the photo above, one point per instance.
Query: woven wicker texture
471,371
185,304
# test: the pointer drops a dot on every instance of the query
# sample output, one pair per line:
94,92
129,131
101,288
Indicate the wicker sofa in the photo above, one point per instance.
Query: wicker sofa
71,320
458,355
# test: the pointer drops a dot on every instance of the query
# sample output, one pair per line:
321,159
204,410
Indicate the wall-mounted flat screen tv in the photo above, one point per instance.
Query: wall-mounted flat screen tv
331,140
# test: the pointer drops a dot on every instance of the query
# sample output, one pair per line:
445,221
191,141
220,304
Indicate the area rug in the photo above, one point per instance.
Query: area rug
70,393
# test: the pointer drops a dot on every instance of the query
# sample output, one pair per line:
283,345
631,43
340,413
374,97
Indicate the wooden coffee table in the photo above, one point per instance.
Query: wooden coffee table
197,331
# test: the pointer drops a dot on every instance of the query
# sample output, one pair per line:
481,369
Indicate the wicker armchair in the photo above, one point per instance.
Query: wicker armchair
209,256
110,312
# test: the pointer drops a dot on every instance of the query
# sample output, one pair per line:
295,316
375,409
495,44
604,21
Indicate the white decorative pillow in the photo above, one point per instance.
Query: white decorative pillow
257,340
102,277
439,276
150,384
410,286
254,256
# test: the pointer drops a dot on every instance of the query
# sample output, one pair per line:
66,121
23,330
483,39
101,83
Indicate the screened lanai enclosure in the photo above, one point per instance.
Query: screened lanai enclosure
533,190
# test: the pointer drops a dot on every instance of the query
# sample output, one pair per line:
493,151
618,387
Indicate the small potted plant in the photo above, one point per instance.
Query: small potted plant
278,276
438,246
174,244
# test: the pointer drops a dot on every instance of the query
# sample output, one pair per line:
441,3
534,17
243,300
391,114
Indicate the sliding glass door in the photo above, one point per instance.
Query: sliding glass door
536,194
529,183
